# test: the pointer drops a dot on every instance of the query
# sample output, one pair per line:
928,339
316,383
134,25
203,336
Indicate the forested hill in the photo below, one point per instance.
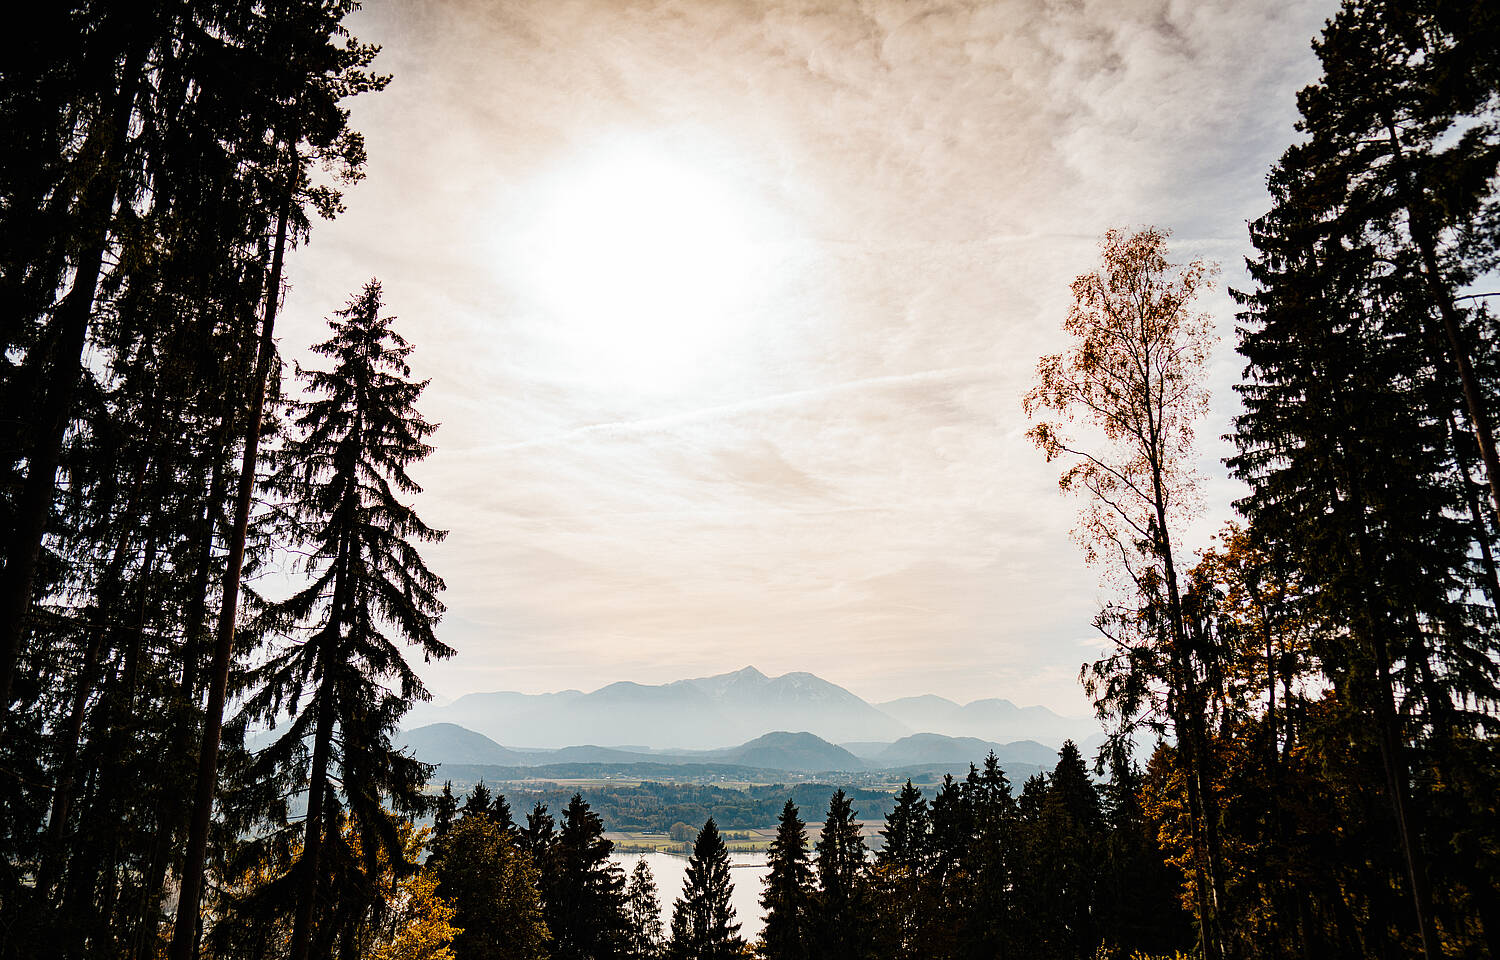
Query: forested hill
772,756
655,807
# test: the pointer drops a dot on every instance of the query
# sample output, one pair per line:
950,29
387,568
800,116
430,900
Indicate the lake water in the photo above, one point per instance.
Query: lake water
747,872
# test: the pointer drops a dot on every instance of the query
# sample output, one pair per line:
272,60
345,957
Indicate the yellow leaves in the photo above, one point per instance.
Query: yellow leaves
422,928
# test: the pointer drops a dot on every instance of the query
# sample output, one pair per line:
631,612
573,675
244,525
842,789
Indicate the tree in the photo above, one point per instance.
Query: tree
703,926
1134,375
1071,830
586,905
1361,359
643,913
478,802
905,907
341,677
1139,910
494,889
443,811
788,892
990,860
907,831
842,910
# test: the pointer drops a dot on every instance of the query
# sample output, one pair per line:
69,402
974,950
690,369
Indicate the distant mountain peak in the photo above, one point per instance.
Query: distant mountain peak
706,713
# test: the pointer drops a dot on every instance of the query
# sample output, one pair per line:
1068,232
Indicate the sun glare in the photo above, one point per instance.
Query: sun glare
644,262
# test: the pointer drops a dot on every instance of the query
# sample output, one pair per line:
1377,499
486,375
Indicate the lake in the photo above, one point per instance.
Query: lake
747,873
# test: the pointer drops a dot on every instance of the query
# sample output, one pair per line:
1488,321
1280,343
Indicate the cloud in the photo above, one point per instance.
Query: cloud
836,481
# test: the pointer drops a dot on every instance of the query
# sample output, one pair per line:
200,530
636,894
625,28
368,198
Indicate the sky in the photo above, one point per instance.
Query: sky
728,308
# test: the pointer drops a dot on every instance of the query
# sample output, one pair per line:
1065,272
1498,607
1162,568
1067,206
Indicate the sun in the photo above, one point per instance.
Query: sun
643,260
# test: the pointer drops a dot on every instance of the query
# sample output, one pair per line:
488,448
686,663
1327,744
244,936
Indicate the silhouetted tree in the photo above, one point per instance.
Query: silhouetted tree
643,913
341,677
842,913
787,898
703,926
587,914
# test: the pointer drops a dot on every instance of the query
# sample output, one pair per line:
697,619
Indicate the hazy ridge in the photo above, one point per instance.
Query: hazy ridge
719,712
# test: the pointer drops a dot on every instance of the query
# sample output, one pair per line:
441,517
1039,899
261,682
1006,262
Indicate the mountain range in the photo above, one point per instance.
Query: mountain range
710,713
452,745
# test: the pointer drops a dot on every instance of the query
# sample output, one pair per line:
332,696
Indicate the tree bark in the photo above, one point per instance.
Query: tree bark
312,843
64,369
185,931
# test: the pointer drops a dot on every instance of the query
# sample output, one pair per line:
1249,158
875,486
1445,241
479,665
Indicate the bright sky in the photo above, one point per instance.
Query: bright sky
728,308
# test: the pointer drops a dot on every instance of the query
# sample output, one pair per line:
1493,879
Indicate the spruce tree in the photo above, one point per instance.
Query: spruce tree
643,913
1070,831
842,924
787,898
907,833
703,926
443,810
477,803
904,905
1361,363
340,675
990,861
587,911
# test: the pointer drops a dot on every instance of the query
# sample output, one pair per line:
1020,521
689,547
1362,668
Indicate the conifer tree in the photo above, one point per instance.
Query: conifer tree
787,898
1069,833
843,908
443,811
1139,909
907,832
904,904
643,913
539,838
341,676
587,912
477,803
703,926
990,859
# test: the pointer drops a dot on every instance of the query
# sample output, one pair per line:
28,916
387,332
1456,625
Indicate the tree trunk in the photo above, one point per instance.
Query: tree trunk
185,931
1393,760
69,332
312,843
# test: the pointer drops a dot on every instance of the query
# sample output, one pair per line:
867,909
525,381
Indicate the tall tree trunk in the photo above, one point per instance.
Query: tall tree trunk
185,931
1425,239
69,332
312,843
1393,760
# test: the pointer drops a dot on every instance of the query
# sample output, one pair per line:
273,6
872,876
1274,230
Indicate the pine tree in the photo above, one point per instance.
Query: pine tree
703,926
587,912
905,907
787,899
643,913
478,802
1070,831
991,859
843,908
443,811
907,832
341,677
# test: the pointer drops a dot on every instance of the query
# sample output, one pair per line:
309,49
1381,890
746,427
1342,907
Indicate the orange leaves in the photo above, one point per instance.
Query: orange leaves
1132,384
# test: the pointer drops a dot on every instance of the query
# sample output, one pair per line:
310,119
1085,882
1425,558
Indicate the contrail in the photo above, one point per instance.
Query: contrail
740,407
